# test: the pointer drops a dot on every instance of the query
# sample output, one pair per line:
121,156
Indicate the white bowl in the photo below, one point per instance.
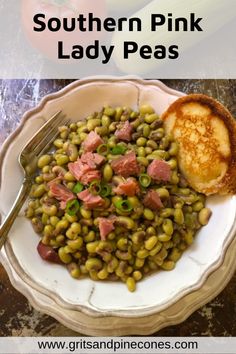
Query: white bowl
98,299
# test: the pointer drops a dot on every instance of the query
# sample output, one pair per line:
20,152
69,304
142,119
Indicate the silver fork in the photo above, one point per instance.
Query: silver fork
28,158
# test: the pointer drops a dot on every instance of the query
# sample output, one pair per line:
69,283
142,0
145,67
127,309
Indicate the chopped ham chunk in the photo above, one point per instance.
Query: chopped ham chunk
129,187
91,201
152,200
48,253
92,141
93,160
159,170
83,172
126,165
105,226
124,133
61,193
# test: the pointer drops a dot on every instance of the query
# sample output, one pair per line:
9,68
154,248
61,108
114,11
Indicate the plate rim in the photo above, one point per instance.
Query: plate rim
90,309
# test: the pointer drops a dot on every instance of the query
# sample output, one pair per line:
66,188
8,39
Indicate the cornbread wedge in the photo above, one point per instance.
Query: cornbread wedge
206,133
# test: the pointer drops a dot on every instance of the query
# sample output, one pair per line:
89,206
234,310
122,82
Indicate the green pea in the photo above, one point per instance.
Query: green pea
152,144
146,130
139,262
165,213
143,161
188,237
164,237
141,151
141,141
50,210
151,231
204,216
102,131
61,159
151,242
90,236
103,273
44,160
174,177
75,244
39,190
163,193
168,265
92,246
85,213
93,264
39,179
106,121
146,109
168,227
148,214
179,216
131,285
64,257
29,213
58,143
198,206
172,163
107,172
109,111
93,123
150,118
174,255
137,275
173,150
125,221
122,244
155,249
45,219
62,225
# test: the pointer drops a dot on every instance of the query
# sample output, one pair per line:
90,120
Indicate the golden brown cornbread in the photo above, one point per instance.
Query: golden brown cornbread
206,133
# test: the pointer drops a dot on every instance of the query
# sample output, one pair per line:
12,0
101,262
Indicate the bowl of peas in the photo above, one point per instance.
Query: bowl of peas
111,227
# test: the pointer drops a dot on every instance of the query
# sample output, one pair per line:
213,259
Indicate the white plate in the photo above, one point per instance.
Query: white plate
155,293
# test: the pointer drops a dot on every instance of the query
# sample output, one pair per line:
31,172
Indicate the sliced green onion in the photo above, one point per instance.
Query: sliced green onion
145,180
95,188
78,188
103,149
118,150
72,207
124,205
105,190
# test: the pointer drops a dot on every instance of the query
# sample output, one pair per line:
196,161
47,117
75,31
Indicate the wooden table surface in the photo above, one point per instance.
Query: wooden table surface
17,317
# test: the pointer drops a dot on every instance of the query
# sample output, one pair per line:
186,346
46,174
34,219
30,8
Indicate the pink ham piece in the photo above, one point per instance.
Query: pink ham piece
124,133
152,200
93,160
91,201
48,253
129,187
105,226
92,141
159,170
83,172
61,193
126,165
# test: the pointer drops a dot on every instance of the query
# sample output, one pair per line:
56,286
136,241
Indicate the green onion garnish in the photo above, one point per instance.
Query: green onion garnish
118,150
124,205
103,149
95,187
72,207
145,180
78,188
105,190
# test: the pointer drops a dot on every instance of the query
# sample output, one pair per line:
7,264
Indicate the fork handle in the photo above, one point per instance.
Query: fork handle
11,216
